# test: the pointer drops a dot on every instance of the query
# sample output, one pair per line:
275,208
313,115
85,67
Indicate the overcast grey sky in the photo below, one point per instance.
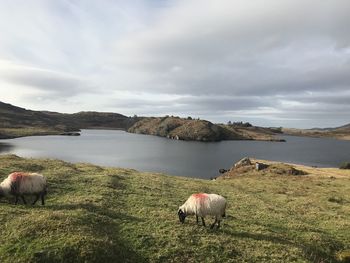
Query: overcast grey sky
270,62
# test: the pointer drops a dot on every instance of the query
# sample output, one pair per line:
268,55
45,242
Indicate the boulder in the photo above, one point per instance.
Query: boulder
243,162
294,171
260,166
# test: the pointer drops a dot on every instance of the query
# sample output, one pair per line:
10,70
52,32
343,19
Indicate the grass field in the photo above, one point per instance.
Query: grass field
95,214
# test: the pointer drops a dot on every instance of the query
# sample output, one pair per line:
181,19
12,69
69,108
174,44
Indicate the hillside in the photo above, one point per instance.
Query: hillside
342,132
344,128
198,130
16,121
96,214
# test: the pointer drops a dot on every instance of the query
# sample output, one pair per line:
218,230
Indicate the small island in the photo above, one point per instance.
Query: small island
189,129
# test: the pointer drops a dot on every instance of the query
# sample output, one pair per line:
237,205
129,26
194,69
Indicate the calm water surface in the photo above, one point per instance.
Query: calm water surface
191,159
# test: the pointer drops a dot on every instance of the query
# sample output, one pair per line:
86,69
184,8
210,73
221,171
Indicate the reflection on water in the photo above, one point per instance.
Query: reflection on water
156,154
5,147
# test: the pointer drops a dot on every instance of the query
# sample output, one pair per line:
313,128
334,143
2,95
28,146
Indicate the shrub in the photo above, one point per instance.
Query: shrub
336,199
345,165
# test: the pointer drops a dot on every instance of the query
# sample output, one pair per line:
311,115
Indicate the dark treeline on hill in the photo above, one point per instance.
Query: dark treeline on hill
240,124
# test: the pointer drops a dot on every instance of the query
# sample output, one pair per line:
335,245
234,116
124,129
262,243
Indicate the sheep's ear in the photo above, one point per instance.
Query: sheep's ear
180,212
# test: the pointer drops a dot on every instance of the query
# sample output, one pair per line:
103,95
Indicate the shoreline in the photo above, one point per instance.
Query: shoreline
312,171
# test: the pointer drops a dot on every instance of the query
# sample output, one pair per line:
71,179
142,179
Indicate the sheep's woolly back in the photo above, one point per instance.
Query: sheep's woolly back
205,204
23,183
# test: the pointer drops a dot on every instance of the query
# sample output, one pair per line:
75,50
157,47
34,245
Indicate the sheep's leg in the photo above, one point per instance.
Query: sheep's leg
212,226
16,201
24,201
42,199
218,224
197,219
203,221
36,199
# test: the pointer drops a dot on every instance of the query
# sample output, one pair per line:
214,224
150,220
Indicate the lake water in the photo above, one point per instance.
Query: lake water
190,159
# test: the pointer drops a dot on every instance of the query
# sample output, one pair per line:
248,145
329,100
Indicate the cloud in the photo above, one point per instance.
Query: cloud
235,47
269,61
47,83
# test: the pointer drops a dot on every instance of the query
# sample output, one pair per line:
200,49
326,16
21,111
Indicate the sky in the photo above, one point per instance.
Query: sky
272,63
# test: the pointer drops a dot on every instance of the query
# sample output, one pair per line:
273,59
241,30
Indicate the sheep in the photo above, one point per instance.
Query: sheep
201,205
20,184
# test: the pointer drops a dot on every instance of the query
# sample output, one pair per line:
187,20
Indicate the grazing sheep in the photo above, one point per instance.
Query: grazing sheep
202,205
20,184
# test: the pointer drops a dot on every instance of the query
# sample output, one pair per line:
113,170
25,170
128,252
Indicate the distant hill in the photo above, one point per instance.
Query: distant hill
342,132
17,121
16,117
198,130
344,128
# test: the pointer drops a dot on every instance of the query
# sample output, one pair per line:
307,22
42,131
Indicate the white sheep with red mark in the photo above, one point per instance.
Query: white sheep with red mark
20,184
202,205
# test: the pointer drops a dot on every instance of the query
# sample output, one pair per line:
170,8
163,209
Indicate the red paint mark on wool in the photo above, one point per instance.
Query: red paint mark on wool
17,176
200,196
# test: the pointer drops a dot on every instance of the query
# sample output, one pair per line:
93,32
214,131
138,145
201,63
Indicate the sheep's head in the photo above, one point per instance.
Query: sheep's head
182,215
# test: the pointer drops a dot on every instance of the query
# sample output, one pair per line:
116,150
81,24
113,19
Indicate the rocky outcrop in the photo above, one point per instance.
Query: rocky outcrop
71,134
251,167
260,166
243,162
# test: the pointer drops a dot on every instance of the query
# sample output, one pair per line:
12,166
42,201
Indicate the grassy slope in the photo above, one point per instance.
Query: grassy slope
96,214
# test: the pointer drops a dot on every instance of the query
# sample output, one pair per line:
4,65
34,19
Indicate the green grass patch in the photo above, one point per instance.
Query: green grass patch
96,214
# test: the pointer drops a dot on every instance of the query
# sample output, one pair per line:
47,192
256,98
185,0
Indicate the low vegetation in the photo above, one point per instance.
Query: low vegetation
96,214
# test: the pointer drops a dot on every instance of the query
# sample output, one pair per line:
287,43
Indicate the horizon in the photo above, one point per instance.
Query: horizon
269,63
143,116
